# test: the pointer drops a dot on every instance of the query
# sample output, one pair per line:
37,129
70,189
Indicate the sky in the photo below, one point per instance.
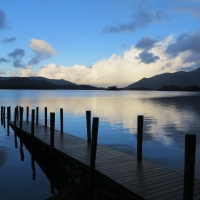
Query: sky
102,42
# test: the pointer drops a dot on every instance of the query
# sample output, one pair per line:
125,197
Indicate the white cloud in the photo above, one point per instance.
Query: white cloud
24,72
42,51
120,70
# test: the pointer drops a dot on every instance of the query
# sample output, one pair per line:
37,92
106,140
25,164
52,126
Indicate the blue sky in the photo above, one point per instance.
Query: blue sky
102,42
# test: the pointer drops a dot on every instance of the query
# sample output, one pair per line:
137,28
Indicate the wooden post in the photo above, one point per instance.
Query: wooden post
27,113
8,118
52,128
37,113
88,122
61,120
1,114
4,113
189,169
17,113
95,125
139,136
15,116
32,122
21,117
45,116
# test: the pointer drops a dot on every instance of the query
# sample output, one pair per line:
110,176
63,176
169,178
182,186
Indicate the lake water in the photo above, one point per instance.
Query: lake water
168,116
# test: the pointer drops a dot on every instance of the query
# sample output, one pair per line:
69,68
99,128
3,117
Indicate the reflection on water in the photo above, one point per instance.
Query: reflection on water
168,116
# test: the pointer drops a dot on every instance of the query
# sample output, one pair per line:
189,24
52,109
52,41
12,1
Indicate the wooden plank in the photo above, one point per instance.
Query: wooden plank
143,178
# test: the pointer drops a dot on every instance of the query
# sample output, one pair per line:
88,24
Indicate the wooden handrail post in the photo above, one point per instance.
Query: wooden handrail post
52,128
45,116
37,113
139,136
95,125
61,120
32,122
21,117
27,113
189,169
88,123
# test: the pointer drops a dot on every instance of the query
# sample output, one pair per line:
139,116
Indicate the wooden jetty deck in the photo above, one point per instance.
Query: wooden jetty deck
141,179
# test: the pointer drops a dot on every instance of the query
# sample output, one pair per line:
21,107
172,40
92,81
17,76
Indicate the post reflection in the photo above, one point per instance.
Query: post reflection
33,168
16,143
21,151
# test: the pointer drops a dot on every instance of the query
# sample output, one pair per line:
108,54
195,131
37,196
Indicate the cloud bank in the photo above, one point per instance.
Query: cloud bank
147,58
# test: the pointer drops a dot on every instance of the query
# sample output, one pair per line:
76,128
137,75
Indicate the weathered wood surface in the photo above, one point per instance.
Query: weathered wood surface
145,180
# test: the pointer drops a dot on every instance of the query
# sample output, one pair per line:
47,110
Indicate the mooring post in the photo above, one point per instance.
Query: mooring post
88,122
32,122
61,120
189,169
37,113
27,113
17,113
45,116
15,116
52,128
1,114
139,136
21,117
8,118
95,125
4,113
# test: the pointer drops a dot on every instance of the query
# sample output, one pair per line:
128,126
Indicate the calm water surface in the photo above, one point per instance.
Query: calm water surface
168,116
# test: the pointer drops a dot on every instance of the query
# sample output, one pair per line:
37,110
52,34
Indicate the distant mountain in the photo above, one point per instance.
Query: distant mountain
39,78
54,81
41,83
180,78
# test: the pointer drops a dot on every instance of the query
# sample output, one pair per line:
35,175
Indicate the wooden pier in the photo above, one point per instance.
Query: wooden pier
138,178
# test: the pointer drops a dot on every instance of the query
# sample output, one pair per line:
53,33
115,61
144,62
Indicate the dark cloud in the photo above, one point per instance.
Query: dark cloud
145,43
185,42
193,9
3,60
18,63
17,53
147,57
17,56
141,19
9,40
38,57
2,19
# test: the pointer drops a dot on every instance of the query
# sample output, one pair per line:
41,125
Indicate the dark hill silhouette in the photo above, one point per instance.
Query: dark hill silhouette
40,78
180,78
54,81
41,83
